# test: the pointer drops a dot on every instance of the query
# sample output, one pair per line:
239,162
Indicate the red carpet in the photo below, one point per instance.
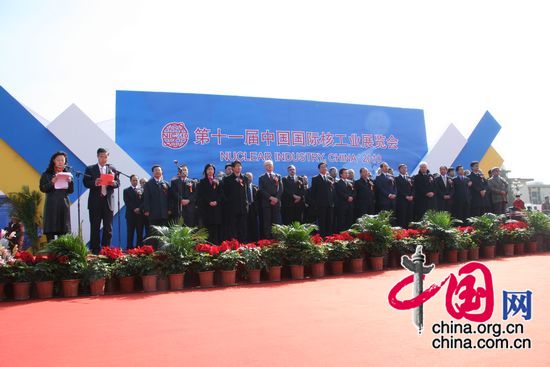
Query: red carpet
335,321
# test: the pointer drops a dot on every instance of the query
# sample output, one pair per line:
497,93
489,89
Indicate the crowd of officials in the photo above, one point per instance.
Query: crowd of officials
231,205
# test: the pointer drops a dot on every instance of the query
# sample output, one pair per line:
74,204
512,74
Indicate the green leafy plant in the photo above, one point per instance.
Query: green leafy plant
317,254
68,245
25,205
465,241
296,239
70,269
45,271
97,268
273,255
19,271
252,258
338,251
178,236
228,260
485,229
539,223
126,266
356,249
439,227
379,229
174,260
203,261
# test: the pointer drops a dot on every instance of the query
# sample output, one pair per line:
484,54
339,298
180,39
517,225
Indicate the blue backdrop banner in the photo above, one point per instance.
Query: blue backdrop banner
158,128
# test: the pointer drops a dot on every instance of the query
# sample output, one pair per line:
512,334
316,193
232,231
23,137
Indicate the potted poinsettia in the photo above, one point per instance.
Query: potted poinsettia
98,269
45,273
110,255
380,236
317,256
226,262
71,254
203,264
273,256
147,266
485,233
20,274
125,269
337,252
296,239
251,256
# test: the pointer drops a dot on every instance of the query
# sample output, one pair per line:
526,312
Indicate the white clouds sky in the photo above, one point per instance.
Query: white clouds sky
455,60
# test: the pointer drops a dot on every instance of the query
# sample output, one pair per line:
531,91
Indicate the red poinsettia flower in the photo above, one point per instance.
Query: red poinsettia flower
365,236
264,243
317,239
214,250
25,257
112,253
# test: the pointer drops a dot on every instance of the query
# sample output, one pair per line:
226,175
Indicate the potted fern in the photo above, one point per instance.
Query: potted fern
379,230
485,233
177,242
71,253
439,228
296,239
25,206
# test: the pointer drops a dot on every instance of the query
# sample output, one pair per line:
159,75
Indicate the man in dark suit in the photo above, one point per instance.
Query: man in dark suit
444,190
344,200
271,192
405,197
424,189
133,200
155,200
235,201
364,194
183,197
100,199
253,224
385,189
461,199
322,196
478,190
293,200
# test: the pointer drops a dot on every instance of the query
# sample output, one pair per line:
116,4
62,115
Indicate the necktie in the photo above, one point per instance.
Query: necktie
103,170
250,194
444,180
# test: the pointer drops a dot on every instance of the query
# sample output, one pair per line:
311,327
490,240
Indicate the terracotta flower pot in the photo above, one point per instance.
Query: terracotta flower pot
473,253
376,263
176,281
21,291
462,255
149,282
432,257
70,287
126,284
519,248
44,289
452,256
254,276
206,279
318,270
162,284
110,285
297,272
229,277
275,273
508,249
488,252
2,295
532,247
357,265
97,287
337,267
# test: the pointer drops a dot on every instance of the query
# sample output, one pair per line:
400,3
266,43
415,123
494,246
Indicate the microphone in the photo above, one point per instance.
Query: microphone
177,165
68,167
112,168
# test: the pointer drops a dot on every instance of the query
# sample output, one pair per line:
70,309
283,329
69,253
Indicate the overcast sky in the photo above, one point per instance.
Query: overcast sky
455,60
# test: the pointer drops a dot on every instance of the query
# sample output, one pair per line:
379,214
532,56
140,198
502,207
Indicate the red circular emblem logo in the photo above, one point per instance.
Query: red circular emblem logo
174,135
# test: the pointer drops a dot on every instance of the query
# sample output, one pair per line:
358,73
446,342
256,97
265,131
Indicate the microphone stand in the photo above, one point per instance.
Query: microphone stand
117,173
78,174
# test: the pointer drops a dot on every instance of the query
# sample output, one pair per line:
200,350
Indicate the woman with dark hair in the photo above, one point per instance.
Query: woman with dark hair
57,217
209,197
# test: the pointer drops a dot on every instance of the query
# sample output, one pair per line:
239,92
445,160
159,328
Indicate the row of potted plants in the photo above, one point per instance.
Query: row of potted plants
184,250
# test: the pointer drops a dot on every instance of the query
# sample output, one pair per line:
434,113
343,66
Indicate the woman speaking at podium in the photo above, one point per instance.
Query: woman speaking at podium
57,183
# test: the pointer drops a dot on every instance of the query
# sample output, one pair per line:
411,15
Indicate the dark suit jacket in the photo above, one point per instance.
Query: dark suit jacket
234,195
132,200
90,175
461,189
478,184
179,190
404,187
207,193
364,196
384,187
322,192
155,199
424,184
442,190
290,188
269,187
344,189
